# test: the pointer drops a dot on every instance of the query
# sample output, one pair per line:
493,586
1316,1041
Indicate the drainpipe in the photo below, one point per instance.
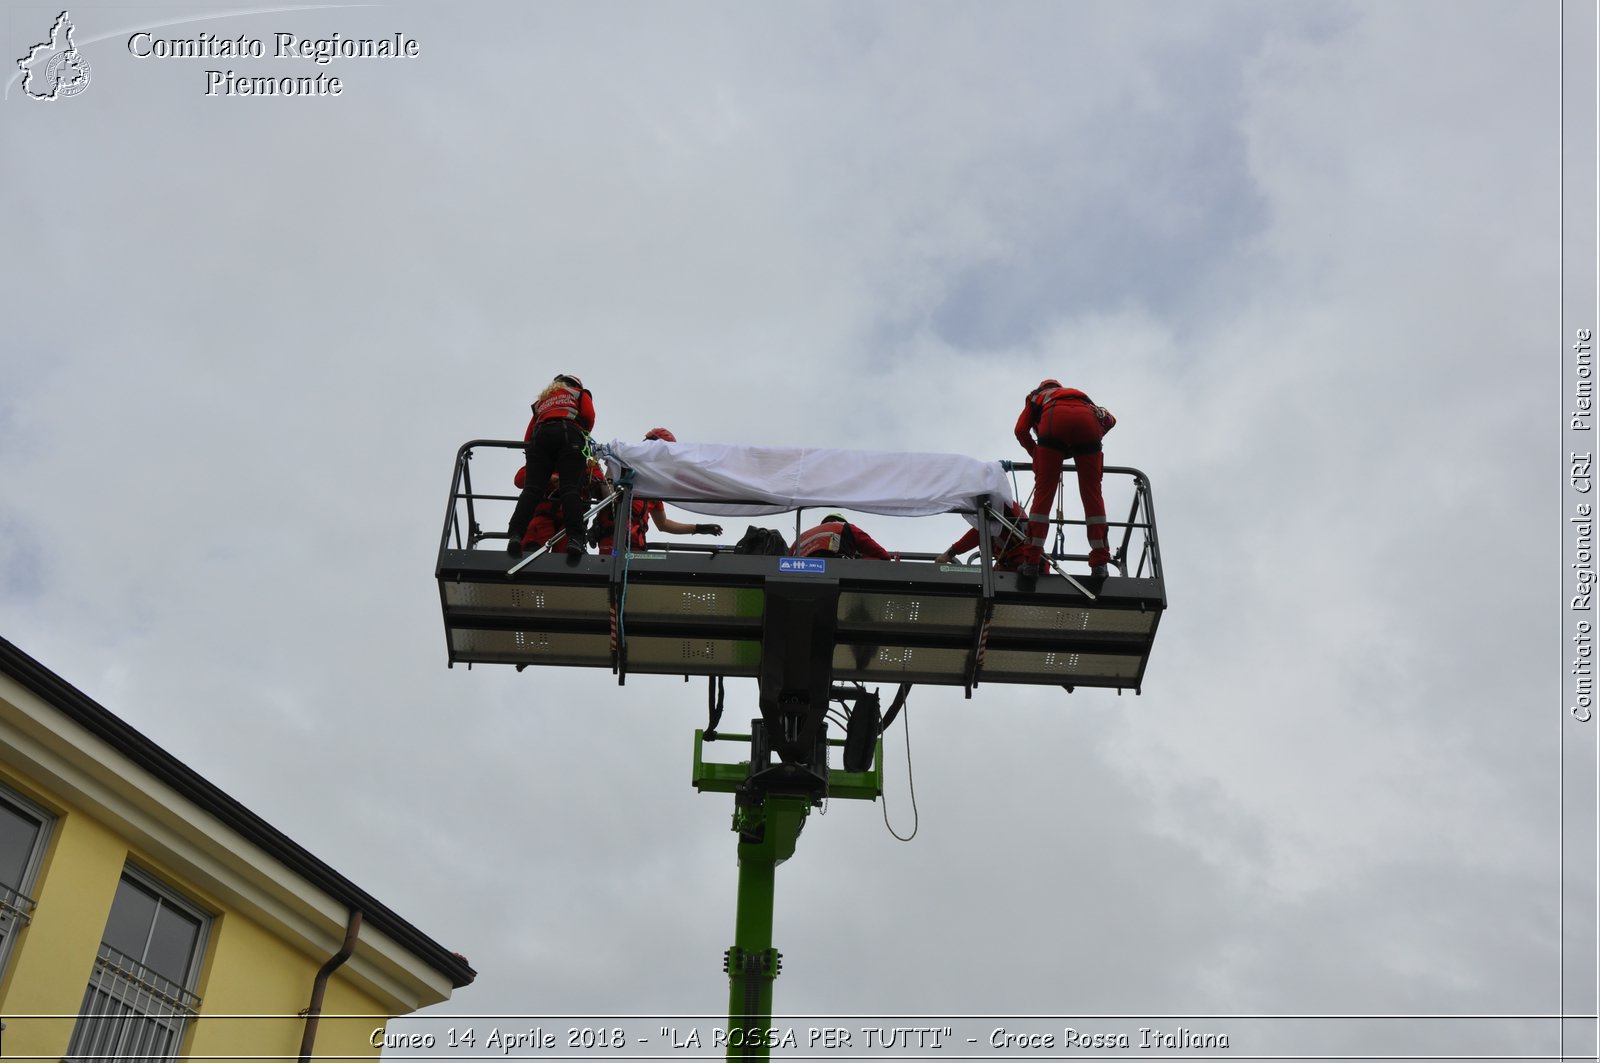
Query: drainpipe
319,988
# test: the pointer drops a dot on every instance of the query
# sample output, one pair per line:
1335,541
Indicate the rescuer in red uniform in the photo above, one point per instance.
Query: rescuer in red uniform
646,511
548,516
1009,548
653,510
1068,425
563,414
837,537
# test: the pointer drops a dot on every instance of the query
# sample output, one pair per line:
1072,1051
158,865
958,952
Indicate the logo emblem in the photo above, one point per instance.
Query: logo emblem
55,69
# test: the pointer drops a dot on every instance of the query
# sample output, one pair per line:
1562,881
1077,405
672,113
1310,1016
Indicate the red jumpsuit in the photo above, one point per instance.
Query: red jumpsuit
834,539
638,524
1069,425
643,510
548,516
1009,551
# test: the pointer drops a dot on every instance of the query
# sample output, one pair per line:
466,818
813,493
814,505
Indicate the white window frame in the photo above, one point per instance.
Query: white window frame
130,1012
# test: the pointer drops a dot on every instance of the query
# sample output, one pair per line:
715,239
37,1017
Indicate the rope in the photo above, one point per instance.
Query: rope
614,634
623,532
905,718
1061,520
619,633
622,599
714,699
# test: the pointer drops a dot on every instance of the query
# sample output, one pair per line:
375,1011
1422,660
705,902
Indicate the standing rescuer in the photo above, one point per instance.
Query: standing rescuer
1068,425
563,415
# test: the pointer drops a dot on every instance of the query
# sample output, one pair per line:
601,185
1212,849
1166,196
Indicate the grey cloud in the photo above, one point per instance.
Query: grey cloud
1304,251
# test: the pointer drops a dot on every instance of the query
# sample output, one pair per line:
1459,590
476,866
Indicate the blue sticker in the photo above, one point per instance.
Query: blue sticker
802,564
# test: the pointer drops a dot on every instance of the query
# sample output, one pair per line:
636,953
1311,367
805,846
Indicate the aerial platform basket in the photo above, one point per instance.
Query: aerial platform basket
811,631
706,611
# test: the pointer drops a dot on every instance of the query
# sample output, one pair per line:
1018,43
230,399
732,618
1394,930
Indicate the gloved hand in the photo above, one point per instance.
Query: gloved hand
944,558
708,529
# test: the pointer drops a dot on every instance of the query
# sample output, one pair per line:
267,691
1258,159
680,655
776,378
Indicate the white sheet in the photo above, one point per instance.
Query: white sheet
695,476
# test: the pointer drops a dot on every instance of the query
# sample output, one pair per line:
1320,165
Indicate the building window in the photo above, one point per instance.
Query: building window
24,829
140,996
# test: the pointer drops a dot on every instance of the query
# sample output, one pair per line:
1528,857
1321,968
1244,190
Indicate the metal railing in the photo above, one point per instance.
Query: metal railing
16,908
1134,545
16,912
1136,551
129,1013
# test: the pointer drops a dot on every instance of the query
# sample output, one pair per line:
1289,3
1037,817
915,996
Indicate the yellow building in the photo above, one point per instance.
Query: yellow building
145,914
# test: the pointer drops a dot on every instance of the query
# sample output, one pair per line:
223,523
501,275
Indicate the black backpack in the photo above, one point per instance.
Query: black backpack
761,541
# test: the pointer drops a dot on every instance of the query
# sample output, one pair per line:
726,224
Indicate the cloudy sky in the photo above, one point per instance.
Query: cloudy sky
1308,253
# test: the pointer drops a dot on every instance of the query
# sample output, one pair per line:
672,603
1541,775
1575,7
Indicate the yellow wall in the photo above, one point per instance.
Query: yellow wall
52,958
252,973
245,971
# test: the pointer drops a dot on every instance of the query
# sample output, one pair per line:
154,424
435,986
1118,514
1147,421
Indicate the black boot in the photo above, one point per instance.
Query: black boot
572,509
575,536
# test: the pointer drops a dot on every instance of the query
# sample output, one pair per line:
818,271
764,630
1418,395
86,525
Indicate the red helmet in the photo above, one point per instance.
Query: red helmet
661,433
1047,383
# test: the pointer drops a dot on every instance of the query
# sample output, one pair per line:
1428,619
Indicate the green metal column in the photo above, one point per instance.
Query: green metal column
768,824
767,830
